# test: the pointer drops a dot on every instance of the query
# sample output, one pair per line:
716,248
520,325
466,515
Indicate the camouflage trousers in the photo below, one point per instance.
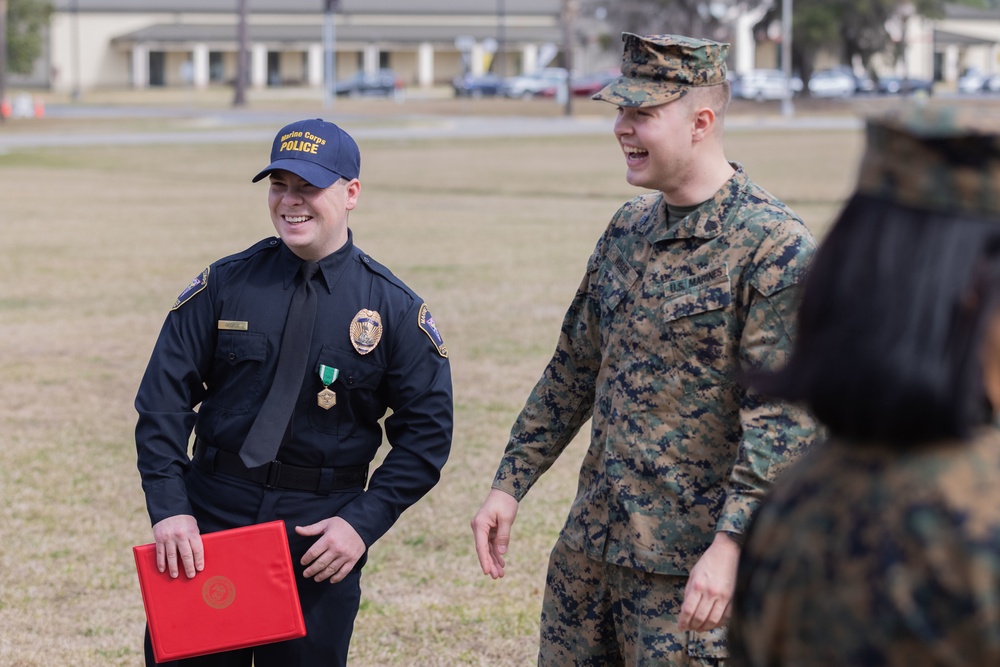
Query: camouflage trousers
605,615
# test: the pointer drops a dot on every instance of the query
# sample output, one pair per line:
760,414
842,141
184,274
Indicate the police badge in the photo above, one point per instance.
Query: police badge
366,330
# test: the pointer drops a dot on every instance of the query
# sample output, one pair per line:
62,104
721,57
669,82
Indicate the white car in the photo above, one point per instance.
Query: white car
765,84
977,81
529,85
832,83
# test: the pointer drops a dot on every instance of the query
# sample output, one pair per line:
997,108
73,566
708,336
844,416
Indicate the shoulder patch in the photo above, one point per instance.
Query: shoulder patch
426,323
197,285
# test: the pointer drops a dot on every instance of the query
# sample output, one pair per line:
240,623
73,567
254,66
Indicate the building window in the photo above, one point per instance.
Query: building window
216,67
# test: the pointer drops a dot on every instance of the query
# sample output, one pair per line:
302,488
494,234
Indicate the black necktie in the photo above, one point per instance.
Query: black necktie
268,430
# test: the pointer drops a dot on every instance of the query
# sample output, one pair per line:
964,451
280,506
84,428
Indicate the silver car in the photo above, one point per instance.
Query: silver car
765,84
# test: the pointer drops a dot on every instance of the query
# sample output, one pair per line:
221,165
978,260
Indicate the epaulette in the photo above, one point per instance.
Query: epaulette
425,321
384,272
271,243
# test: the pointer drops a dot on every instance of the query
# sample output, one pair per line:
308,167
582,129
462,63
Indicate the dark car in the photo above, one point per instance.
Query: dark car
383,83
896,85
485,85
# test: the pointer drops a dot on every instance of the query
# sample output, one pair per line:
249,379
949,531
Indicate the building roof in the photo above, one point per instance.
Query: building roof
186,33
965,12
404,7
959,39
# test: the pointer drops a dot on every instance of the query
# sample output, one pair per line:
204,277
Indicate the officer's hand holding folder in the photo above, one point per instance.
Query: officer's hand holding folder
245,596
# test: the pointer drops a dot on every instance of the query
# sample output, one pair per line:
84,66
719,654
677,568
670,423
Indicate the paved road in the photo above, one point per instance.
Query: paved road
258,127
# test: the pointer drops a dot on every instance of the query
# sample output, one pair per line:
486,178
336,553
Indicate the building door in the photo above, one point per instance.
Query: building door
157,68
216,67
273,68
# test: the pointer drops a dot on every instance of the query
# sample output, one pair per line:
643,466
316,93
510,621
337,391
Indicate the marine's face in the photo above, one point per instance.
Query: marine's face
657,143
311,221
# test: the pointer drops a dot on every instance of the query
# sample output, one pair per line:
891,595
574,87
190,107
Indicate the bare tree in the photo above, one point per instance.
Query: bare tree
695,18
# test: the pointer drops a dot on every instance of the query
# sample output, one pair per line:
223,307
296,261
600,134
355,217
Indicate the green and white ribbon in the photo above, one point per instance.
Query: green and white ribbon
328,375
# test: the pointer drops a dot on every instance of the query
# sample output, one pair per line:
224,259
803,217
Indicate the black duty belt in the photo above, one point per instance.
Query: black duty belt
278,475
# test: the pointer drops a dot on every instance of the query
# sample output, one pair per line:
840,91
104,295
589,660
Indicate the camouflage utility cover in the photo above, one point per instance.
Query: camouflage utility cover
651,347
875,556
943,159
661,68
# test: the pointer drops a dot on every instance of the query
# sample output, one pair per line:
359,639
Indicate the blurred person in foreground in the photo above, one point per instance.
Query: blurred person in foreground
360,344
689,286
882,545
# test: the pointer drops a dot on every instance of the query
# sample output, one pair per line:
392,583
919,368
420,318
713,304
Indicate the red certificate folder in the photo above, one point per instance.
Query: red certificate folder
245,596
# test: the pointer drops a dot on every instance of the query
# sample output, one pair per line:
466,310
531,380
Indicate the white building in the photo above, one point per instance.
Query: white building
140,43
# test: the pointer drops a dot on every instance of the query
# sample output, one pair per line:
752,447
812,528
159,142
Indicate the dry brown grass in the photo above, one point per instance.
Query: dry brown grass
97,242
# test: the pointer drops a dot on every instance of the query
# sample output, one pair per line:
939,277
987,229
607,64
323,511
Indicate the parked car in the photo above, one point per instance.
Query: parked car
834,82
590,84
529,85
484,85
383,83
765,84
895,85
975,81
972,81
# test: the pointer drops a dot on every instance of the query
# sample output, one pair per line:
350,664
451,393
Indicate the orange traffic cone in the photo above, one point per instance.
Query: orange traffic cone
5,109
39,109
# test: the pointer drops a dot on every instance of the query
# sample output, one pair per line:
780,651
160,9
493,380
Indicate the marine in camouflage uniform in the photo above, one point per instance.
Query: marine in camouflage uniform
881,546
869,558
675,303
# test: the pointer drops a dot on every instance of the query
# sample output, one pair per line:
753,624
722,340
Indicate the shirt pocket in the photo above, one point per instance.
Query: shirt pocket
699,324
359,400
615,278
237,378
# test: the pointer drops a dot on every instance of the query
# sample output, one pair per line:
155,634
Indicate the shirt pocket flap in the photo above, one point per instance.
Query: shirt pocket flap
354,371
700,293
236,347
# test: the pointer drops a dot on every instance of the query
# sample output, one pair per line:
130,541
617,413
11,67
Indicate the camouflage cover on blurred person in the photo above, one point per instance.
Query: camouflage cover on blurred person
657,69
944,159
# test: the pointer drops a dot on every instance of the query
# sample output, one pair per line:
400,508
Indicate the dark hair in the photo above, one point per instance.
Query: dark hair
891,324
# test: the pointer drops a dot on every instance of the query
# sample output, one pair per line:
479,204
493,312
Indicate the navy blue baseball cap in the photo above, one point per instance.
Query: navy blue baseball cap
315,150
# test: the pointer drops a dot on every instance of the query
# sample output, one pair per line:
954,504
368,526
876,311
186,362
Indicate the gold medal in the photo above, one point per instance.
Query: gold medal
326,399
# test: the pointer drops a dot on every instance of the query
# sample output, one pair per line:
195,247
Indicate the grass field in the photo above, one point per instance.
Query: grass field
494,234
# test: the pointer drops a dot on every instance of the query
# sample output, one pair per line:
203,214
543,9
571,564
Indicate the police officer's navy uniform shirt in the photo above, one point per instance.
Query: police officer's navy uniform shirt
219,347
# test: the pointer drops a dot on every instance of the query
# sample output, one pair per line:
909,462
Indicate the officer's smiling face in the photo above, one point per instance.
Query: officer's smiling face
311,221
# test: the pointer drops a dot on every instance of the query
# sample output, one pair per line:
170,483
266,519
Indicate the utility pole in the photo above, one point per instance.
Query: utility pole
570,8
330,53
3,55
242,54
787,108
501,65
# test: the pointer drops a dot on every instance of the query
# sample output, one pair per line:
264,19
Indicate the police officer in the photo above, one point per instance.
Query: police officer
373,347
688,287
